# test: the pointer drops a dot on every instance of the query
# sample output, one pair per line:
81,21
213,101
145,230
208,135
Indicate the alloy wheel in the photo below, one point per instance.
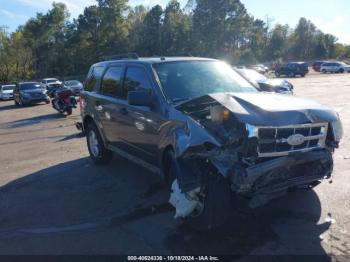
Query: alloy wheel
93,143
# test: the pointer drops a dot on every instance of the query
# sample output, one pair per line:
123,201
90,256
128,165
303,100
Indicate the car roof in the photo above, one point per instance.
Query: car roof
30,82
299,63
154,60
8,85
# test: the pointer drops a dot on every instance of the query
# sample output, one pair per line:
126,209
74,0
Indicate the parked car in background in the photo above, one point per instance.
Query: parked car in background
262,69
75,86
335,67
26,93
207,132
292,69
50,83
317,65
265,84
6,92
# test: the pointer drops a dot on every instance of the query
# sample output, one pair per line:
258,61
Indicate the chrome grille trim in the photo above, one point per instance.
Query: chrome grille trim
274,141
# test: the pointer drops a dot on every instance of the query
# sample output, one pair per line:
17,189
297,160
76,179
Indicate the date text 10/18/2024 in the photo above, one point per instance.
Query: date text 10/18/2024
173,258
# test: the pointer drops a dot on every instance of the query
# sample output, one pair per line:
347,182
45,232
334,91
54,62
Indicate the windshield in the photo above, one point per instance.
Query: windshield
252,75
7,88
190,79
72,82
52,81
29,86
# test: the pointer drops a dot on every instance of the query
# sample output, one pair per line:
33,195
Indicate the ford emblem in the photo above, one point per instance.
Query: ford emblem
296,140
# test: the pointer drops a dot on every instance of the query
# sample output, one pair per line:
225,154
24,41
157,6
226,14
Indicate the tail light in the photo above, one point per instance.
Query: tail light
81,103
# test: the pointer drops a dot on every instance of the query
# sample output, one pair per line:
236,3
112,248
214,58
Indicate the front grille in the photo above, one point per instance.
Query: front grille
35,95
279,141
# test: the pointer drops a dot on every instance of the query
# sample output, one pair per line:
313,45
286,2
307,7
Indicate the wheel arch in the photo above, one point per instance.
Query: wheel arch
87,120
165,161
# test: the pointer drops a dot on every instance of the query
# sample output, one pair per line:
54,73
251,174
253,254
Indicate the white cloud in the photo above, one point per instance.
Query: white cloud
75,7
12,15
7,13
337,26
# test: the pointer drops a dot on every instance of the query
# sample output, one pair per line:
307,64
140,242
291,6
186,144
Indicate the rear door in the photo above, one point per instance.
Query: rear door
108,102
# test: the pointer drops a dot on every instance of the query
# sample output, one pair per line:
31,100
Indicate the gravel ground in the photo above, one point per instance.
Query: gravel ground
53,200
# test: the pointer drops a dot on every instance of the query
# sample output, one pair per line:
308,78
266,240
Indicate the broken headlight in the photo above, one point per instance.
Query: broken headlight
219,114
337,128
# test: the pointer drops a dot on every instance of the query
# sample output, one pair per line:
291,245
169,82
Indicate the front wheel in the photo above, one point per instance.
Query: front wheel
216,200
99,154
341,70
69,111
20,102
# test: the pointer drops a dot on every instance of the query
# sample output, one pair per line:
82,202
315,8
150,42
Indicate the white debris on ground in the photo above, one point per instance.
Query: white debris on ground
184,203
329,219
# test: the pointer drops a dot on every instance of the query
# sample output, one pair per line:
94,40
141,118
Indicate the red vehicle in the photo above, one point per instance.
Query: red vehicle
63,100
316,66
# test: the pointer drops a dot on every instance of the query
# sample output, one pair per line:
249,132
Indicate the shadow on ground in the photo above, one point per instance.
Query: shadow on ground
33,120
77,200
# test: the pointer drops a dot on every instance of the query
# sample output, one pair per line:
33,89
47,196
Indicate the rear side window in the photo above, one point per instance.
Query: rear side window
136,79
93,78
112,83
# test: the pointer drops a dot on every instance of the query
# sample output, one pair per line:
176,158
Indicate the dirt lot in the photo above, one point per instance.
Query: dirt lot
53,200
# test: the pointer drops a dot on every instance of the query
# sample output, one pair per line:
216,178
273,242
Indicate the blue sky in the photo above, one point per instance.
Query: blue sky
331,16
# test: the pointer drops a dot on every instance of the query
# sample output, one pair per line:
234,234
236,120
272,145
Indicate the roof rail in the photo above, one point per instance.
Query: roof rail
121,56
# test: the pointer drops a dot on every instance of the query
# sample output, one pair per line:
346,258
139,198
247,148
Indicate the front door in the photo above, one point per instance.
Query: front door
140,126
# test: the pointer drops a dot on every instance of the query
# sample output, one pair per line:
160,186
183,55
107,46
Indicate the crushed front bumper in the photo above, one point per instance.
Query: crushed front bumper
280,174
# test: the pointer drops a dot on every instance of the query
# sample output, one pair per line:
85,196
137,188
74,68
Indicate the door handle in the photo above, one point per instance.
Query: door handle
124,111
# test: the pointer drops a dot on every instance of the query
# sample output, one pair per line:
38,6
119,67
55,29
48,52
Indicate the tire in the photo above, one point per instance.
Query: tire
341,70
99,154
324,71
217,202
302,75
20,102
69,111
16,103
277,74
291,74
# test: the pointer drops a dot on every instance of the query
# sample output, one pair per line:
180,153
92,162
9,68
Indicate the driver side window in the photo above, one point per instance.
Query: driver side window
136,79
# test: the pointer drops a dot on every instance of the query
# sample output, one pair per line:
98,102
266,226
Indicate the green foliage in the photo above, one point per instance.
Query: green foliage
52,45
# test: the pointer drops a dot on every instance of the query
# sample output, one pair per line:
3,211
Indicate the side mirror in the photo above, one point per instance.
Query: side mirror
140,98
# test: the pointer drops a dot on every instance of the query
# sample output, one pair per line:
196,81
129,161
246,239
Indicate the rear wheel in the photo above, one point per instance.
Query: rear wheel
69,111
216,200
341,70
277,74
324,71
16,103
291,74
98,152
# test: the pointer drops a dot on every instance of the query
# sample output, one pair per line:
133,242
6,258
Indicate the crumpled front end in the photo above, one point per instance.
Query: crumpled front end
258,160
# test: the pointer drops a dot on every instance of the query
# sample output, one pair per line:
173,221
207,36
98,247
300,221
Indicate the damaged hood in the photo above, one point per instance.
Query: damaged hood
269,109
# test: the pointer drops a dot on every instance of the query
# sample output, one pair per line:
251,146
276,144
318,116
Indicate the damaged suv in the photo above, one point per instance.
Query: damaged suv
208,132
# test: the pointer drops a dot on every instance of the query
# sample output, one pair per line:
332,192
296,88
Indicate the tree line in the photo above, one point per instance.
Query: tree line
51,44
